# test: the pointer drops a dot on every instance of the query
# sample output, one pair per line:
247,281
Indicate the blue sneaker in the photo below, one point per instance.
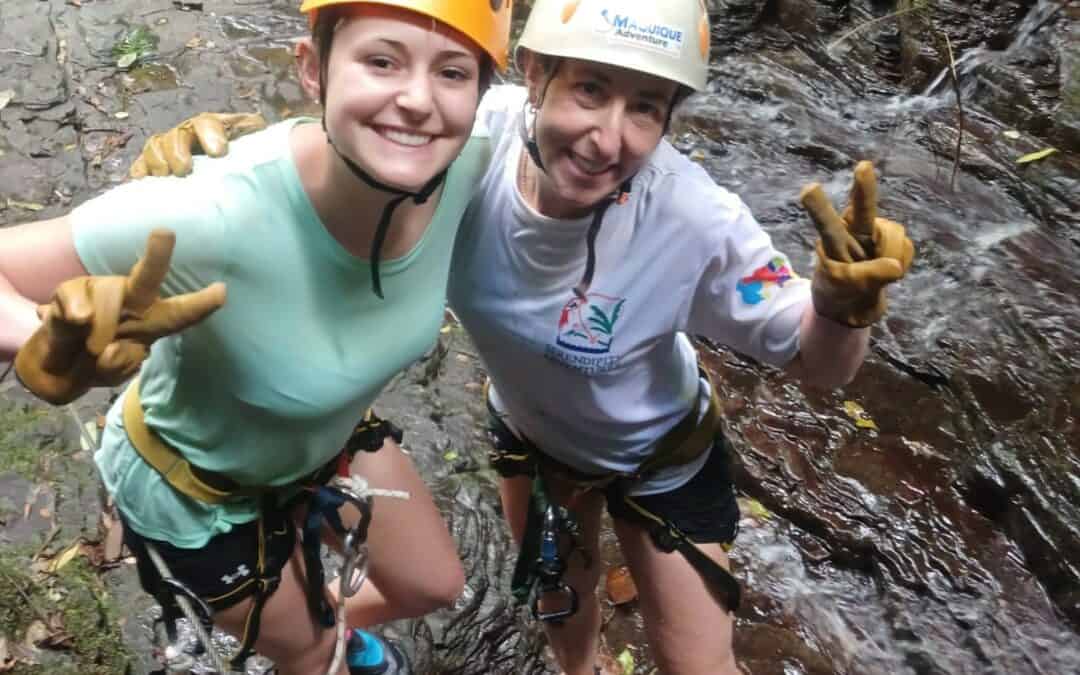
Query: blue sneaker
369,654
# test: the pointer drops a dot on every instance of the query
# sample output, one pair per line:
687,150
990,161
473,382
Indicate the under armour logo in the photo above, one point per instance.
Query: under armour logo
241,572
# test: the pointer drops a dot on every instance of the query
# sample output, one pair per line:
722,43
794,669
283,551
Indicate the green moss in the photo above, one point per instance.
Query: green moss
18,451
77,595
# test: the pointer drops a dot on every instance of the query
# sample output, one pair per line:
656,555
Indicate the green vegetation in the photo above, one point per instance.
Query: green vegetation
135,44
69,610
20,451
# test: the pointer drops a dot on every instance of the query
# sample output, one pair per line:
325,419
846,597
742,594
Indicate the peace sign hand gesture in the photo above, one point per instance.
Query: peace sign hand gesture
858,255
98,329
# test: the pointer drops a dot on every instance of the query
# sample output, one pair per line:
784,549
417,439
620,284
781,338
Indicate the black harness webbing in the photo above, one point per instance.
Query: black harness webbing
265,587
534,569
669,538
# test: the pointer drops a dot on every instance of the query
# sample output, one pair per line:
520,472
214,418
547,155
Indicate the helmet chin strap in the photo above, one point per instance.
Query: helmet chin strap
619,196
383,227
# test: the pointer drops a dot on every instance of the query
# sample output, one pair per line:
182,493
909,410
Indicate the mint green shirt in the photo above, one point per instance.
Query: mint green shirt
269,387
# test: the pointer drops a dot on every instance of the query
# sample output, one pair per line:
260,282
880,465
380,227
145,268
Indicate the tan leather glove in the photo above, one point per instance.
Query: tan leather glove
858,254
98,329
170,153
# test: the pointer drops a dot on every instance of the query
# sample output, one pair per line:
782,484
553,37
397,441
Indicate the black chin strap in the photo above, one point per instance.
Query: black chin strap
618,197
388,211
531,146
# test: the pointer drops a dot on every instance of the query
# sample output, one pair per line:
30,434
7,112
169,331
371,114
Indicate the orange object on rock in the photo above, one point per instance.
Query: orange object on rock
620,585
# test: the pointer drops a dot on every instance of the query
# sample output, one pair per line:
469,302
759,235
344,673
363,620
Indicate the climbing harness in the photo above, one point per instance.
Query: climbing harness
325,491
540,563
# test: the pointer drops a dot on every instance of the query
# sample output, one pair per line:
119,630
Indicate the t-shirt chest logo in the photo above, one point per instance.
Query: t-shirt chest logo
585,333
588,325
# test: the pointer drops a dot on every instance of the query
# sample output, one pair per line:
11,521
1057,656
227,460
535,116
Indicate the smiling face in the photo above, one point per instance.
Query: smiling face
597,125
401,92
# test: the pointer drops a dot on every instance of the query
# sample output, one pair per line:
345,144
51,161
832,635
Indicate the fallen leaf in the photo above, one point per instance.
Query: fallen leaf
758,510
861,417
626,662
64,558
1035,156
620,585
1011,133
5,97
26,206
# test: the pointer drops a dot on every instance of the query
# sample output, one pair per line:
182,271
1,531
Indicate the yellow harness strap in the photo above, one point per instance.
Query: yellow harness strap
176,470
688,439
682,444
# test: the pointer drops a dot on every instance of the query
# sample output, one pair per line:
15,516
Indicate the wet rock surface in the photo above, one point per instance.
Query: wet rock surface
945,540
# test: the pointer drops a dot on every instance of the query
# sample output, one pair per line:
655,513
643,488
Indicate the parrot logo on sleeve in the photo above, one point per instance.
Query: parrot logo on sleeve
761,284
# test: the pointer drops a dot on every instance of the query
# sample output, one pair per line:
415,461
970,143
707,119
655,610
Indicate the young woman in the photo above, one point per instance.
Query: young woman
333,242
590,251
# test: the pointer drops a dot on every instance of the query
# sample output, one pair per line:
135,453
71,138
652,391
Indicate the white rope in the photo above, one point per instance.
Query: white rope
353,572
186,608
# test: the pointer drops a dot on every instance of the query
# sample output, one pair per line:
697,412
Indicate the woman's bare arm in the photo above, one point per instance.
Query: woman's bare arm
34,259
830,353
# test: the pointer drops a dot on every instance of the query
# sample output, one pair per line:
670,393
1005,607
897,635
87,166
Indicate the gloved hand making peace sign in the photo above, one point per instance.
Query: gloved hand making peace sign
98,329
170,153
858,255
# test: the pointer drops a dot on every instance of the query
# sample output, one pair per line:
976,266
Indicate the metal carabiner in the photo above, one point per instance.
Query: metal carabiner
354,569
542,589
550,567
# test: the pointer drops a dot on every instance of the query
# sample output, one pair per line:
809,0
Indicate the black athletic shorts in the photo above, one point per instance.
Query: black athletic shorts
223,572
704,508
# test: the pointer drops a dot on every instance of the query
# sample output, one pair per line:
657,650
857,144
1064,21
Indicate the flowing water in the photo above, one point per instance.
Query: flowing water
928,537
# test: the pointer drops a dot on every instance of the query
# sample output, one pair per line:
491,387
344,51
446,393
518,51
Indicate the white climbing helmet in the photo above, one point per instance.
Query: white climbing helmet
666,38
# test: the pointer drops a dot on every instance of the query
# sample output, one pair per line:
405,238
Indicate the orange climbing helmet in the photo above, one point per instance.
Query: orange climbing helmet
485,22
